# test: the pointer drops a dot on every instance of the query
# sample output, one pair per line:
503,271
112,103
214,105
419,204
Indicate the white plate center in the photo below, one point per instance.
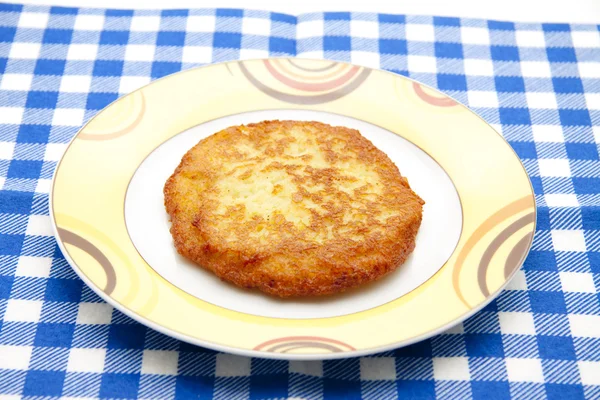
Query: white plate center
148,224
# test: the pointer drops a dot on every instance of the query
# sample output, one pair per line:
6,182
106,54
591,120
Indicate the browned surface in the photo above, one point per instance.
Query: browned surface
292,208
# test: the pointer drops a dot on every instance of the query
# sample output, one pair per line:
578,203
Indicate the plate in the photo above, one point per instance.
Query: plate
110,222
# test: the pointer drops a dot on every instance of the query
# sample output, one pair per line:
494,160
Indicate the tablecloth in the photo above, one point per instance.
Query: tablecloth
537,84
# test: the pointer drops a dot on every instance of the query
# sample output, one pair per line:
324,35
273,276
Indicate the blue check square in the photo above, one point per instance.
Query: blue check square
119,385
114,37
547,302
40,99
97,101
227,40
505,53
448,50
63,290
108,68
24,169
582,151
54,335
414,389
169,38
510,84
484,345
337,43
540,260
164,68
393,46
126,336
485,390
341,389
187,387
575,117
44,383
49,67
57,36
517,116
561,54
556,347
567,85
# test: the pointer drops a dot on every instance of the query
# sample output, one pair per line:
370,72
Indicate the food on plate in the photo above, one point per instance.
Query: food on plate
292,208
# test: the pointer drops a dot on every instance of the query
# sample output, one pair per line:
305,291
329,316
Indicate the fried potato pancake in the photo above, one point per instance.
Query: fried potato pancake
292,208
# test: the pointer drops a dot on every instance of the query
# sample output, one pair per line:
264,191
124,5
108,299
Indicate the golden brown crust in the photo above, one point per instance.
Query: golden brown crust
292,208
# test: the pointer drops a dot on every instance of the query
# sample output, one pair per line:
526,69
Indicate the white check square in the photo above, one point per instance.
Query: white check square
252,54
15,357
39,225
517,323
160,362
201,23
94,313
524,370
589,69
130,83
28,51
592,100
256,26
86,52
478,67
420,33
23,310
568,240
451,368
68,117
75,83
561,200
365,58
590,372
16,81
139,52
475,35
11,115
518,282
34,267
364,29
6,148
86,360
145,23
86,22
530,38
197,54
312,368
308,29
578,282
54,151
483,99
548,133
422,64
232,365
545,100
555,167
586,38
33,20
536,69
43,186
586,326
378,368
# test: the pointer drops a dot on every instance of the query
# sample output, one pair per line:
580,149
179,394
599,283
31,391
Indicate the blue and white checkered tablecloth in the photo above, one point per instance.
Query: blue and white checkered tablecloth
537,84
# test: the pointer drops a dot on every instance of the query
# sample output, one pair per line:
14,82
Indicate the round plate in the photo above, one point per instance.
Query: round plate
108,214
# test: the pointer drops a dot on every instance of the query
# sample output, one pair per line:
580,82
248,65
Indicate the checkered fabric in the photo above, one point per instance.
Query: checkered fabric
537,84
